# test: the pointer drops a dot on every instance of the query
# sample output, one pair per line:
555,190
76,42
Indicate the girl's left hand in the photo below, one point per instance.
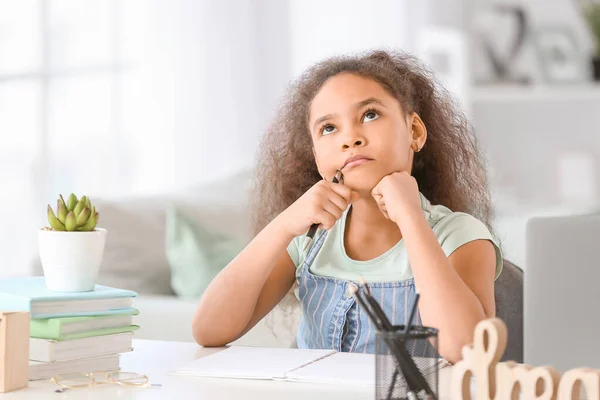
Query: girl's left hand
396,195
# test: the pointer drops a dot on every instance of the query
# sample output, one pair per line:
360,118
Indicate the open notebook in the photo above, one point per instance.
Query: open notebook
301,365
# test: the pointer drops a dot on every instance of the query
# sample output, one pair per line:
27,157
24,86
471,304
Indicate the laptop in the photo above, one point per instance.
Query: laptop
562,292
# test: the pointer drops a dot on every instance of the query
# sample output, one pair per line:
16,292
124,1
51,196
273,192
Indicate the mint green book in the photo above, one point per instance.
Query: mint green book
31,294
66,328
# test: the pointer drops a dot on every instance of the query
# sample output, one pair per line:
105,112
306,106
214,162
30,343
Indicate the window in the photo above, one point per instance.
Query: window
85,107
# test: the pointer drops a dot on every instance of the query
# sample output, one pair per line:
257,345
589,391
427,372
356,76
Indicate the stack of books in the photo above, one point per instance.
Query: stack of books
72,331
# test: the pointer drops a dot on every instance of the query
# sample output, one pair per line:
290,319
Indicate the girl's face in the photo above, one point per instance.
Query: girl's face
354,118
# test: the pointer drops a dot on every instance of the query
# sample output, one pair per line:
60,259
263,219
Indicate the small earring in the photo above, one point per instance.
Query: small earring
415,147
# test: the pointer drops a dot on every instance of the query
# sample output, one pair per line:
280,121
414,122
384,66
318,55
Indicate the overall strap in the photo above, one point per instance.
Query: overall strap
314,249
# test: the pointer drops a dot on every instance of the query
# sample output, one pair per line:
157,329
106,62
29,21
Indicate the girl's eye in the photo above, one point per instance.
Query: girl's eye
327,129
370,115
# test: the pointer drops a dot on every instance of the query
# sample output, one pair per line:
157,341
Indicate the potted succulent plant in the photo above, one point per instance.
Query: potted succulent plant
591,10
71,248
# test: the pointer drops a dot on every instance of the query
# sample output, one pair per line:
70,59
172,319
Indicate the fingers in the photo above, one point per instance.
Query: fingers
327,219
380,202
383,210
338,201
333,201
341,190
375,192
333,209
339,195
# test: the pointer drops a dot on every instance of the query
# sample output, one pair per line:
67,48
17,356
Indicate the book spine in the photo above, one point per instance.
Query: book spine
46,329
42,350
120,311
14,303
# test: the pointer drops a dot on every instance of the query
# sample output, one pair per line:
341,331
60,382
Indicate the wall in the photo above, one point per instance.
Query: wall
232,60
322,29
216,97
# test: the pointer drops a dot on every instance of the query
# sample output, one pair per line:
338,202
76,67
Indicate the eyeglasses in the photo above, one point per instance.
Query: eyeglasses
86,380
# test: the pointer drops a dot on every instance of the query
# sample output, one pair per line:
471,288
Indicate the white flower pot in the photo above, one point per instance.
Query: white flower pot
71,260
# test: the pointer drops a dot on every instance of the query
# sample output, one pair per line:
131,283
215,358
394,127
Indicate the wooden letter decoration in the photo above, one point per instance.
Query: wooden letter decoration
496,380
14,351
572,380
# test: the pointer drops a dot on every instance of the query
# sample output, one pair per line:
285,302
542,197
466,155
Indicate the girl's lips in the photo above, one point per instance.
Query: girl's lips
354,163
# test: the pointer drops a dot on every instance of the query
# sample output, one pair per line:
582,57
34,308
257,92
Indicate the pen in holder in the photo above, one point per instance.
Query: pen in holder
420,341
396,352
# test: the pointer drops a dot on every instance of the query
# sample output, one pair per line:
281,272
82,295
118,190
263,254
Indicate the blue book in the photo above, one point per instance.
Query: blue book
31,294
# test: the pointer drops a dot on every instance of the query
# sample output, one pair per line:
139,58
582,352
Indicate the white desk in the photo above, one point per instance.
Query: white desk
156,358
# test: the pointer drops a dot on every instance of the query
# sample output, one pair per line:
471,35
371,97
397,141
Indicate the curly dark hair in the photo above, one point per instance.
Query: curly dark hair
450,169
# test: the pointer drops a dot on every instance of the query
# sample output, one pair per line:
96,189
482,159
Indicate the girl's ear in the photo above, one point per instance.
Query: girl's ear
418,132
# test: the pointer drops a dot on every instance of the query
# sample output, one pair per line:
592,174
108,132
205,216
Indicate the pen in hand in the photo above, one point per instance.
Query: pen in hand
339,177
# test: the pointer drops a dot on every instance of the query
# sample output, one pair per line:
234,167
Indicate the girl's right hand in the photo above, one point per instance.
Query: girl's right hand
322,204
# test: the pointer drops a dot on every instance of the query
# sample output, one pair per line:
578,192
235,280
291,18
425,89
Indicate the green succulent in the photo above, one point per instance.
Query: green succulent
592,15
73,215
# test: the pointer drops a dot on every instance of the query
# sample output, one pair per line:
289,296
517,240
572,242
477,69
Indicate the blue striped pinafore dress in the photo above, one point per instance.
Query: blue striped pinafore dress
332,319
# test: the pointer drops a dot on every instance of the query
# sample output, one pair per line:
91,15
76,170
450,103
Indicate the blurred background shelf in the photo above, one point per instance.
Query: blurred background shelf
538,93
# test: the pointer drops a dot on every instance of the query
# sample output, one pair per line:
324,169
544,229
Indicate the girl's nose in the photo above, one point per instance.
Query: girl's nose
353,137
353,143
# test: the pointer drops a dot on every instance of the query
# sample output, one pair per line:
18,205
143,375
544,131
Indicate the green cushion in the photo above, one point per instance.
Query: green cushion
195,253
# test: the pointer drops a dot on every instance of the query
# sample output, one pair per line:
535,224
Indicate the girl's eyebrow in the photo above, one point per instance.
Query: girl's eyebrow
322,119
358,105
370,100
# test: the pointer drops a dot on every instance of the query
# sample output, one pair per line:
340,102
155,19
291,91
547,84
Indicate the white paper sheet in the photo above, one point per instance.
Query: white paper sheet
252,362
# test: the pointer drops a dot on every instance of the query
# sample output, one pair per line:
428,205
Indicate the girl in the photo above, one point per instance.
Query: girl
411,215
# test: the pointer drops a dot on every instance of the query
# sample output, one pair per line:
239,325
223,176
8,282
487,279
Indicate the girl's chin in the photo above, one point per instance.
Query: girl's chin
362,184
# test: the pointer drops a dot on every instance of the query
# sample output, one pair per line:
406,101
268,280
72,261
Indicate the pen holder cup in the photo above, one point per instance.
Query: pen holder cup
397,355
